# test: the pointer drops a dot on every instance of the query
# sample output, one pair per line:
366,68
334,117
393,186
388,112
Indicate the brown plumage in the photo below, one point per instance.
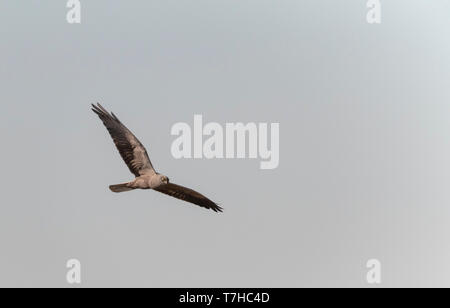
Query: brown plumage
189,195
135,156
130,148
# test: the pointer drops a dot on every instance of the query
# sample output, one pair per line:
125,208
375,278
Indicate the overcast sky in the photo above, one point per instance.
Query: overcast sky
364,113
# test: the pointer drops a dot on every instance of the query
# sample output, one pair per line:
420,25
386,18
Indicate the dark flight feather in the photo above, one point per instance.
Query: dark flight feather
189,195
130,148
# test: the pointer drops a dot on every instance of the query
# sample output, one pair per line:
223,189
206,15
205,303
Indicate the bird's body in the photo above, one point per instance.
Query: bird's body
147,181
135,156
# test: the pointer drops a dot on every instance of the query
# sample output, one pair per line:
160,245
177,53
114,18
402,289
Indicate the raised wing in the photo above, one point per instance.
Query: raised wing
130,148
188,195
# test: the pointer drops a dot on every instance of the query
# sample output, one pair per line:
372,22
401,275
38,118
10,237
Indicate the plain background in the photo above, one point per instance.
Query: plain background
364,113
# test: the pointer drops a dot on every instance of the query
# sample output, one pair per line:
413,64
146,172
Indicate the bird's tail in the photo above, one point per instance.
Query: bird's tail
120,188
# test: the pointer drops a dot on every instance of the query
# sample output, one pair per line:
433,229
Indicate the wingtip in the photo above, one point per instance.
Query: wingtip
102,112
95,108
217,209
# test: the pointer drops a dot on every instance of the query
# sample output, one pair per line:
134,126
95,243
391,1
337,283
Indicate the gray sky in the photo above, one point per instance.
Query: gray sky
364,113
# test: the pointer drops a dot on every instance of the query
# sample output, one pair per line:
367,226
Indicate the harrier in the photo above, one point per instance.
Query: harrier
135,156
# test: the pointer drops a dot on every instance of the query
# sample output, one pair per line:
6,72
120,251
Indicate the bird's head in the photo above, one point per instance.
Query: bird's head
163,179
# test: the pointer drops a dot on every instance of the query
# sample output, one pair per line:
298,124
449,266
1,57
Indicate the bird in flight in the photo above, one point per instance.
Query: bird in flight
135,156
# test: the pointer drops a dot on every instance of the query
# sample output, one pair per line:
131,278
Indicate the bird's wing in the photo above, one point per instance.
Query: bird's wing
188,195
130,148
